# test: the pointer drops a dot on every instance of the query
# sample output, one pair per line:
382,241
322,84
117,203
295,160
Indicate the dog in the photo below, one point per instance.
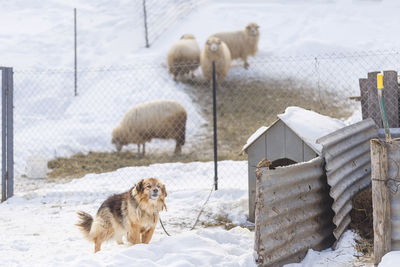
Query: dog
133,213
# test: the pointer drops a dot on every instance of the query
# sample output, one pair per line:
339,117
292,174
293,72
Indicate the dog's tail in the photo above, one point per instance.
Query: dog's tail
85,222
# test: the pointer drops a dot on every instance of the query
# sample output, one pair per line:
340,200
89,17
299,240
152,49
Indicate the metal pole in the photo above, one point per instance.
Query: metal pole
10,134
381,99
145,24
3,135
75,57
214,85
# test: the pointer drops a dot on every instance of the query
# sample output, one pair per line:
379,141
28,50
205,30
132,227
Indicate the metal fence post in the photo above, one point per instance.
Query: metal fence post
145,24
75,57
3,134
214,86
7,177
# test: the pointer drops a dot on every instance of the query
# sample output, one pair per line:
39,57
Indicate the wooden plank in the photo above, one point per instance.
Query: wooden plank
373,103
391,95
308,153
380,200
364,97
293,146
276,141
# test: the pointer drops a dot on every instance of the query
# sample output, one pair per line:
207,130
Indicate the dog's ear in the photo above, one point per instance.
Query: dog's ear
139,186
164,191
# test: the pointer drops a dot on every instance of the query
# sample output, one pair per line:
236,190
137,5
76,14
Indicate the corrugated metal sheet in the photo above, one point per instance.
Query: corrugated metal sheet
293,213
393,151
348,167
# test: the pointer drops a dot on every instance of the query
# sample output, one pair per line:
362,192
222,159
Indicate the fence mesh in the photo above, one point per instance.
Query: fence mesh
72,135
162,15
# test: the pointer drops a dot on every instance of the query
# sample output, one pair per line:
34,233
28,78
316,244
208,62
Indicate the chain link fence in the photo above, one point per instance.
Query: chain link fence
73,136
160,16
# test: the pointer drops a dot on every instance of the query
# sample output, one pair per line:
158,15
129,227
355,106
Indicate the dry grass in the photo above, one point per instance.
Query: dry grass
243,105
224,222
362,221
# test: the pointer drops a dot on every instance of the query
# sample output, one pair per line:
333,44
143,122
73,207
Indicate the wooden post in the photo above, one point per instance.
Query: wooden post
364,97
373,103
380,200
391,94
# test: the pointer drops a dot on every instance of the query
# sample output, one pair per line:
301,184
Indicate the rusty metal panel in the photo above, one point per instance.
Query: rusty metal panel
256,153
293,213
348,167
393,151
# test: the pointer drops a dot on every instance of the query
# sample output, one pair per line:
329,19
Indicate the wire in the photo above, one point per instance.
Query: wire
202,208
391,183
198,216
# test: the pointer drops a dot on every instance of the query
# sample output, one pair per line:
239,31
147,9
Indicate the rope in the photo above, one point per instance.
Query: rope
198,216
162,225
202,208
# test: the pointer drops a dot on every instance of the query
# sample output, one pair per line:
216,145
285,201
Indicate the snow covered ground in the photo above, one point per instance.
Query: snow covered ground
37,225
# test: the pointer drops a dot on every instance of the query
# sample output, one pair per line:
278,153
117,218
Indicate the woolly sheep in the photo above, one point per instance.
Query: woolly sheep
215,50
242,43
184,56
164,119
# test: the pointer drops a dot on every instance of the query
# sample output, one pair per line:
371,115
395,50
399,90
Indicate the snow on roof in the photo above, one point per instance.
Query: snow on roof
254,137
307,124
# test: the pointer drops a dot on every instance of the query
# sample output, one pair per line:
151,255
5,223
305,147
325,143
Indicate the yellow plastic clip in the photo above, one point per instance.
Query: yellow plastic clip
379,78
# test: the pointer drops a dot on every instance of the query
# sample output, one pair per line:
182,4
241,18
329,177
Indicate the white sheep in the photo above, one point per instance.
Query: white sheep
164,119
184,56
242,43
215,50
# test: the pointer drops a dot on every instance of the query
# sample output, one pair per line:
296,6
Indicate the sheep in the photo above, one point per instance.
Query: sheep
218,51
242,43
184,56
164,119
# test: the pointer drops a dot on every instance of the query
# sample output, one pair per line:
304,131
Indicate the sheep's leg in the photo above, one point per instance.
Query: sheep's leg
246,64
138,148
178,149
144,150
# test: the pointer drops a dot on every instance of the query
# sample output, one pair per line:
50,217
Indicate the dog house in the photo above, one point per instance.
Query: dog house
302,200
290,139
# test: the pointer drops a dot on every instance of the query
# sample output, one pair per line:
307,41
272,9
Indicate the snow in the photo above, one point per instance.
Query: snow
38,223
345,254
390,259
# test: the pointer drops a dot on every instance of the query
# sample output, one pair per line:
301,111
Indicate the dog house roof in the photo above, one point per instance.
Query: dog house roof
306,124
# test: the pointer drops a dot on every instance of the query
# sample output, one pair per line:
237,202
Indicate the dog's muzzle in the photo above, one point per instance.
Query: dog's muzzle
155,194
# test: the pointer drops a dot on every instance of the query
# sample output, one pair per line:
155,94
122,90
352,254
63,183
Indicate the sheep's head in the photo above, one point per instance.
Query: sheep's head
213,44
117,139
188,36
252,29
